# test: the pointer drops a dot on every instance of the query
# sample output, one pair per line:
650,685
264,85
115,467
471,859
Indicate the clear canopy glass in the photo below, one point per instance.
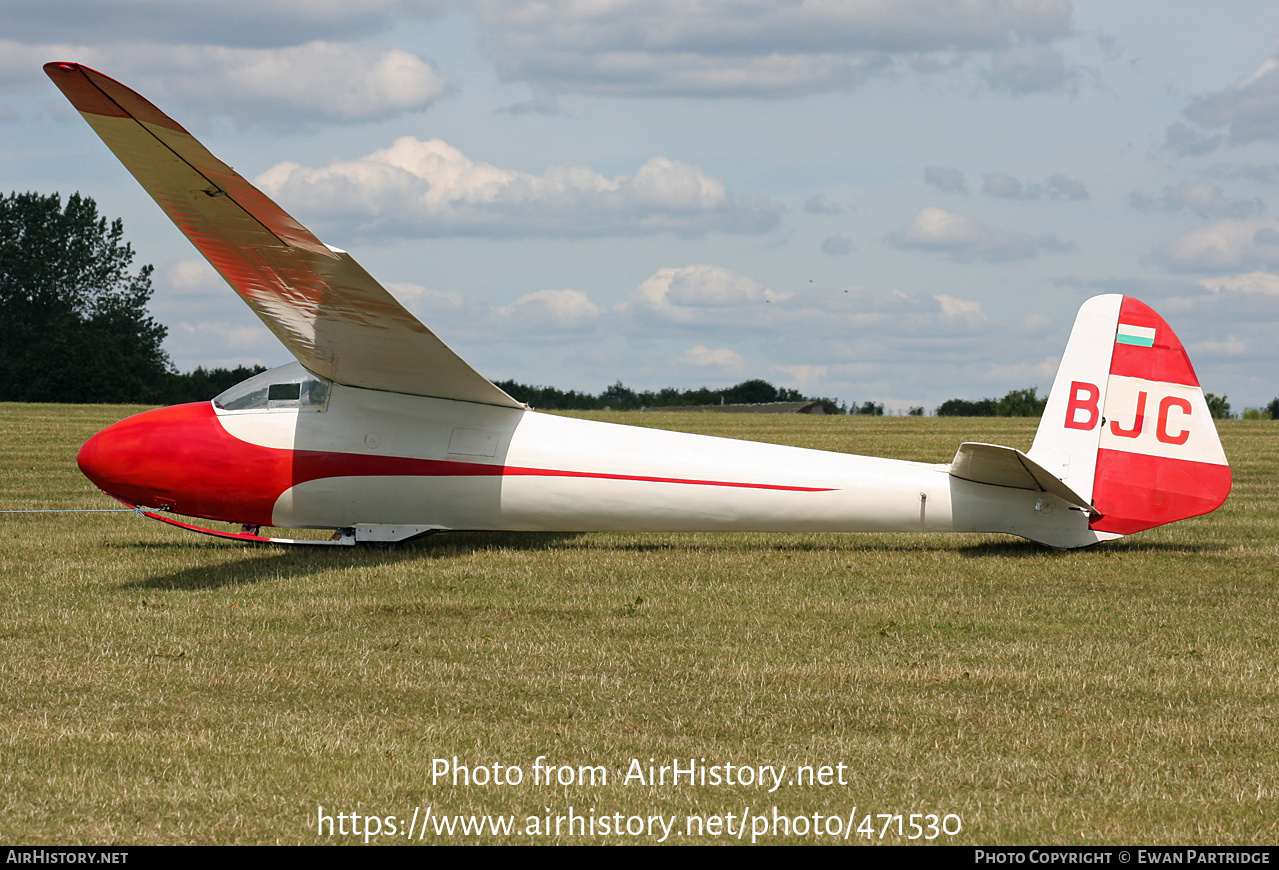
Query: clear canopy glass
288,387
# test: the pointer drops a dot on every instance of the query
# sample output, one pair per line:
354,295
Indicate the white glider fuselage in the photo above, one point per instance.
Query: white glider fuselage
487,467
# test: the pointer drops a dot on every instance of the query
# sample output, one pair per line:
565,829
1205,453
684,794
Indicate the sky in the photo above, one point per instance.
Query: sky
898,201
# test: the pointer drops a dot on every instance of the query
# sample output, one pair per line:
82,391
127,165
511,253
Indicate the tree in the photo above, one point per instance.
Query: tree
203,384
1021,403
1218,406
966,408
1017,403
1273,408
74,326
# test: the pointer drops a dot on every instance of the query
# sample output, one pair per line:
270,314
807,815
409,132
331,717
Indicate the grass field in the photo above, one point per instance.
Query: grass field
163,687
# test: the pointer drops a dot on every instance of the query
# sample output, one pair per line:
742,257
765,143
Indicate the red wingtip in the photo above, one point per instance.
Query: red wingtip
92,93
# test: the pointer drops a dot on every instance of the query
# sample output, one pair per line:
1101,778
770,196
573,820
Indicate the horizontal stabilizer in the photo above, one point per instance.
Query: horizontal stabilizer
333,316
1006,466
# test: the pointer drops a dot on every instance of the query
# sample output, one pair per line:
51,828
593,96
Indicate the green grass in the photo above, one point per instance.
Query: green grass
163,687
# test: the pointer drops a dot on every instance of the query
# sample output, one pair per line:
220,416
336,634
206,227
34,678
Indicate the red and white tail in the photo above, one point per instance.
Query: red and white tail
1127,425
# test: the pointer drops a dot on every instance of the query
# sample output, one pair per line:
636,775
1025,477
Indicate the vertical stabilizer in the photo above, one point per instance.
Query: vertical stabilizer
1067,439
1127,424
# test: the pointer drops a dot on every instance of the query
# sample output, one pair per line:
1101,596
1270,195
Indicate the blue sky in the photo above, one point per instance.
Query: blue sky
901,202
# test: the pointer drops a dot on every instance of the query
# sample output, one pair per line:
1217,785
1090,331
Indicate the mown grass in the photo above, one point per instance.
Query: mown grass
162,687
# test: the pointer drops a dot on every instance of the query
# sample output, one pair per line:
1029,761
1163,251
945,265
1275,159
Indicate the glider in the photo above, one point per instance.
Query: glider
383,433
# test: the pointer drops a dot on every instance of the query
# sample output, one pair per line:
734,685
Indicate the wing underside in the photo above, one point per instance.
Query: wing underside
332,315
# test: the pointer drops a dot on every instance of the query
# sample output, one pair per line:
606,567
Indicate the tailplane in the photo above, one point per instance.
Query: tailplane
1127,425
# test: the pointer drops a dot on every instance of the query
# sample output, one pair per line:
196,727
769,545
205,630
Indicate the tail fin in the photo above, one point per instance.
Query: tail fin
1127,425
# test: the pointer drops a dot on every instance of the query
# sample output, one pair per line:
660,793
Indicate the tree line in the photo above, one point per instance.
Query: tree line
74,327
620,397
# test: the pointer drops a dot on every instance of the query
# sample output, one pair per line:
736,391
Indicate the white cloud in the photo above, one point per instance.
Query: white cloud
726,361
192,277
762,47
952,306
223,344
698,293
427,302
430,187
712,298
1201,198
1249,283
314,81
803,377
1230,346
1248,109
552,310
1225,246
248,23
963,238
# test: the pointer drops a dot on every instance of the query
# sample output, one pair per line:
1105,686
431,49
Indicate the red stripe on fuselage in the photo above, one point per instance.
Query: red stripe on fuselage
181,458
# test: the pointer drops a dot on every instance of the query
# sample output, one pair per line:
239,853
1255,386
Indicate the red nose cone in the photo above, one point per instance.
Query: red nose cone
182,459
95,461
121,459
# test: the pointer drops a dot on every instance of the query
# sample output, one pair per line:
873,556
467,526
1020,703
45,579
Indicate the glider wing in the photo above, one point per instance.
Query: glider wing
331,314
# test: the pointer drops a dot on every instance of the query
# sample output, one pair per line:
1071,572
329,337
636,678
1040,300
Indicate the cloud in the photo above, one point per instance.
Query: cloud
246,23
430,187
1248,109
552,310
542,103
820,203
723,359
435,306
1050,242
1058,186
1225,246
1201,198
694,294
1181,139
1264,173
314,81
1250,283
963,238
192,277
1029,69
949,180
1005,186
802,377
838,245
715,298
762,48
